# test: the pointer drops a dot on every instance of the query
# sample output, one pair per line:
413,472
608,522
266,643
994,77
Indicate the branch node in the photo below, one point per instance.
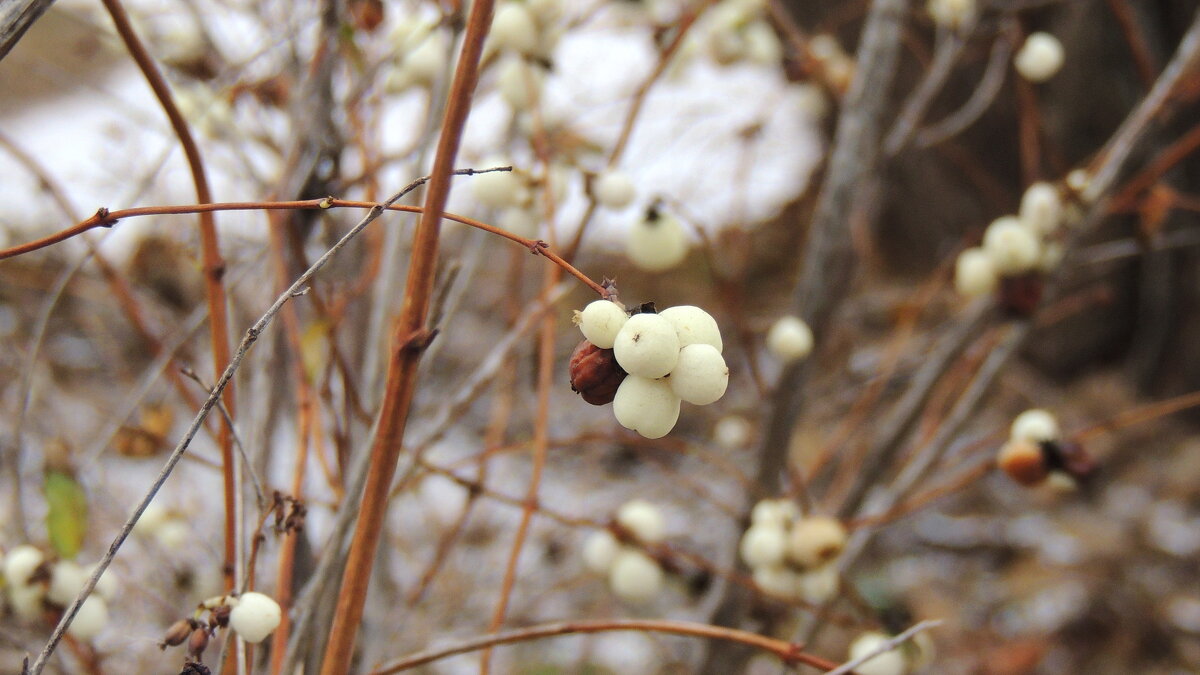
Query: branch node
419,340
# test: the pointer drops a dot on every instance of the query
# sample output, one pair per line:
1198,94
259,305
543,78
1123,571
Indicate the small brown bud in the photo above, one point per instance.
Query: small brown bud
219,617
197,643
176,634
595,373
1024,462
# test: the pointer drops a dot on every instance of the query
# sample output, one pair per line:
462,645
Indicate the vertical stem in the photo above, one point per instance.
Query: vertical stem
409,337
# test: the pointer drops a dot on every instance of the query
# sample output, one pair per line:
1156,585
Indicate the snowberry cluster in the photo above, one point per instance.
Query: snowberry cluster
900,660
35,585
793,556
1036,451
633,575
656,241
167,528
252,615
736,31
1015,247
952,14
1039,58
421,48
647,363
516,194
789,339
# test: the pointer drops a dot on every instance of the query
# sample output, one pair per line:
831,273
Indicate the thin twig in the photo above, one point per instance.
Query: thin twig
887,646
978,102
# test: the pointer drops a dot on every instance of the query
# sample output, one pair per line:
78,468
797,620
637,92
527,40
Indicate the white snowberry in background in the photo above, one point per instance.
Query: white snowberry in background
513,29
815,540
643,520
520,82
635,577
952,14
106,585
67,578
789,339
1013,248
763,546
499,189
21,563
776,580
1078,180
173,534
1041,207
888,663
421,65
762,44
780,512
26,601
733,432
647,345
1035,425
601,321
1039,58
254,616
91,618
693,326
656,242
600,549
646,406
613,189
700,376
521,221
975,273
819,586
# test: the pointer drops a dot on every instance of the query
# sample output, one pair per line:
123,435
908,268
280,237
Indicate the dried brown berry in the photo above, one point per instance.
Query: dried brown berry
176,634
1024,462
197,643
595,373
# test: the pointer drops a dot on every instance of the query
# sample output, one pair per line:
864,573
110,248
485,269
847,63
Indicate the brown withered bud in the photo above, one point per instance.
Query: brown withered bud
195,668
219,616
366,14
177,633
595,373
197,643
1070,457
1024,462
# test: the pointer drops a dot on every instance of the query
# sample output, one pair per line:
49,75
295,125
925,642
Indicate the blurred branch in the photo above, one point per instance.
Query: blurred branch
16,16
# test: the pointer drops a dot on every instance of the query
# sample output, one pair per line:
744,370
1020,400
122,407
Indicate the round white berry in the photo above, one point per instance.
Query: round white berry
952,14
26,601
151,519
789,339
1035,425
763,545
613,189
422,65
646,406
1041,207
700,376
255,616
599,551
777,580
774,512
762,43
635,577
1078,180
545,11
815,540
20,564
888,663
173,534
499,189
520,82
693,326
732,432
1012,247
974,273
819,586
1040,58
647,345
521,221
66,580
656,242
91,618
514,29
643,520
601,321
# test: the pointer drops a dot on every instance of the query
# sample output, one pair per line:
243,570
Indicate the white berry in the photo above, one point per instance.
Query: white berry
776,580
647,345
732,432
635,577
700,376
151,519
646,406
819,586
173,534
1040,58
888,663
693,326
815,540
255,616
26,601
499,189
974,273
66,580
1035,425
952,14
1012,247
91,618
656,242
775,512
643,520
520,82
599,551
1041,207
763,545
601,321
790,339
514,29
20,564
521,221
613,189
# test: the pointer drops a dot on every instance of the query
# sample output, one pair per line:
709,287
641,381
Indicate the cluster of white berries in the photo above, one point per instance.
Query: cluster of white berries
1014,245
252,615
900,660
169,529
671,356
736,31
793,556
1039,58
952,14
789,339
633,575
421,48
33,584
517,194
656,241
